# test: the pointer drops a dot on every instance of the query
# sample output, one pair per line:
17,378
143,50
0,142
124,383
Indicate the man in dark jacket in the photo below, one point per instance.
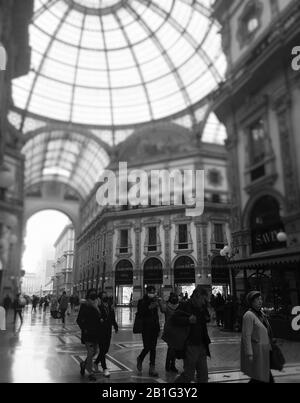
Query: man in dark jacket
108,320
89,321
198,341
148,311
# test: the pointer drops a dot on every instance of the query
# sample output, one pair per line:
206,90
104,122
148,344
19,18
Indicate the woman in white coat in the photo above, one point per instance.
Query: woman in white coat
256,342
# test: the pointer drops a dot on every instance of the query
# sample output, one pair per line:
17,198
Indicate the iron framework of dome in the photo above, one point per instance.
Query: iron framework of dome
114,63
101,69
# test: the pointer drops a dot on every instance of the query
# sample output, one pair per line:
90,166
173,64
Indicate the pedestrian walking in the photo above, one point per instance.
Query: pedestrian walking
18,305
108,321
168,309
197,344
89,321
63,306
147,310
256,343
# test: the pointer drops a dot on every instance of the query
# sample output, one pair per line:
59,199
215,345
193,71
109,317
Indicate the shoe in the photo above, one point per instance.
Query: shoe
92,377
174,369
152,372
106,373
96,367
82,368
139,364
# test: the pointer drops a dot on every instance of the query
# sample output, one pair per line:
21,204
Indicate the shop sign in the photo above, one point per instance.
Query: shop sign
296,320
266,240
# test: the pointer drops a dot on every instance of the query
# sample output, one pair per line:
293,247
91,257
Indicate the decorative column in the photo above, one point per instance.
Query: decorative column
282,107
108,272
199,272
206,272
169,281
138,284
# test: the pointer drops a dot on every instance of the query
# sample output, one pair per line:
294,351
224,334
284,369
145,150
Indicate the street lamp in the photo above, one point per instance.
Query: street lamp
282,237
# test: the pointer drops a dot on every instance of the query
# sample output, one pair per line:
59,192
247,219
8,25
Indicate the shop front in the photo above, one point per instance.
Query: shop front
278,280
124,283
153,274
184,275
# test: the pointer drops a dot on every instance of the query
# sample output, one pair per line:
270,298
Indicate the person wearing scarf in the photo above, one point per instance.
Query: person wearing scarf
256,343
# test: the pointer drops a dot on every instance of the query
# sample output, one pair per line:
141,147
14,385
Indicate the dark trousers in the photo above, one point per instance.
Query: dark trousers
63,315
104,345
171,358
20,316
270,381
150,343
195,362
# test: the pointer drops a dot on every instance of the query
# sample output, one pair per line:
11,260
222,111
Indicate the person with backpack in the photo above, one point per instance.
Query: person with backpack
108,320
63,306
18,305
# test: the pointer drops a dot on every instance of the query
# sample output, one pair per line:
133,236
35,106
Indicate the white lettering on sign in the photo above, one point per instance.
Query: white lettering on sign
296,320
3,58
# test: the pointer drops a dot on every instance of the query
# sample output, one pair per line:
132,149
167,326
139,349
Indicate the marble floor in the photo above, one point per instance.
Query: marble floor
42,351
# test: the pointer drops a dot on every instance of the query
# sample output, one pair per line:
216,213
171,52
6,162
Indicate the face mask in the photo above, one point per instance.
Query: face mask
105,299
151,296
174,301
93,297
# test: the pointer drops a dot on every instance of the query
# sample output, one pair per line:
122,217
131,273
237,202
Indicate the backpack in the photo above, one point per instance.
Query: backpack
22,302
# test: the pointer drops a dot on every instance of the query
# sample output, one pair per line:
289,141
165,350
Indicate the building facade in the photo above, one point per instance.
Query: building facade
63,265
15,56
123,249
259,104
31,284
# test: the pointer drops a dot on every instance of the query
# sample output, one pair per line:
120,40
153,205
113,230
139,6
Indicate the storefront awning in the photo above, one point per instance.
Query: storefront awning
260,262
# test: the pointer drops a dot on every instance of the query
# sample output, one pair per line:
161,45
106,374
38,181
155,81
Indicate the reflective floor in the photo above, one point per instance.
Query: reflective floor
41,351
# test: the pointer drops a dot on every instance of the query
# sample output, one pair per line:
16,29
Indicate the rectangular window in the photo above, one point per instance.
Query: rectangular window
257,142
152,233
183,236
219,236
124,241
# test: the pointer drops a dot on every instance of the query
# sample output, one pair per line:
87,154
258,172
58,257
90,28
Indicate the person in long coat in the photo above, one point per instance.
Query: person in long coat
89,321
256,342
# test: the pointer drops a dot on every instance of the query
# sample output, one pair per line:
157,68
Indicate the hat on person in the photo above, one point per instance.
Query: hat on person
252,296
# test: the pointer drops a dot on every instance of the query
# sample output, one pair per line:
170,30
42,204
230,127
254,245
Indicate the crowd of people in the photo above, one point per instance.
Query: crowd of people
22,302
185,330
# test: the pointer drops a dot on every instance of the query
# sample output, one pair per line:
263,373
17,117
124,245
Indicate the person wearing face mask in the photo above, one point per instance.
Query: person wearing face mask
169,309
89,321
148,310
194,314
108,320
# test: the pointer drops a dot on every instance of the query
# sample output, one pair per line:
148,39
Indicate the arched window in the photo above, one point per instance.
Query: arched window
124,273
184,270
153,271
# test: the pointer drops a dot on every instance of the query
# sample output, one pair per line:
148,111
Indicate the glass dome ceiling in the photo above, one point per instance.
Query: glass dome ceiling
119,62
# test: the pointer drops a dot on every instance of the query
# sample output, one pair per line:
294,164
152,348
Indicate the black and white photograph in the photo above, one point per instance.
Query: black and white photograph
149,194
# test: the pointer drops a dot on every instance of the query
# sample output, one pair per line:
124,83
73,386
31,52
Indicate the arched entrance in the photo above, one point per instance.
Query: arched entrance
124,282
153,273
220,276
184,275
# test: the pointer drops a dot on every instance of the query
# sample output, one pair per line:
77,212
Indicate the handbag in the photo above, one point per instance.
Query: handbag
138,324
277,360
